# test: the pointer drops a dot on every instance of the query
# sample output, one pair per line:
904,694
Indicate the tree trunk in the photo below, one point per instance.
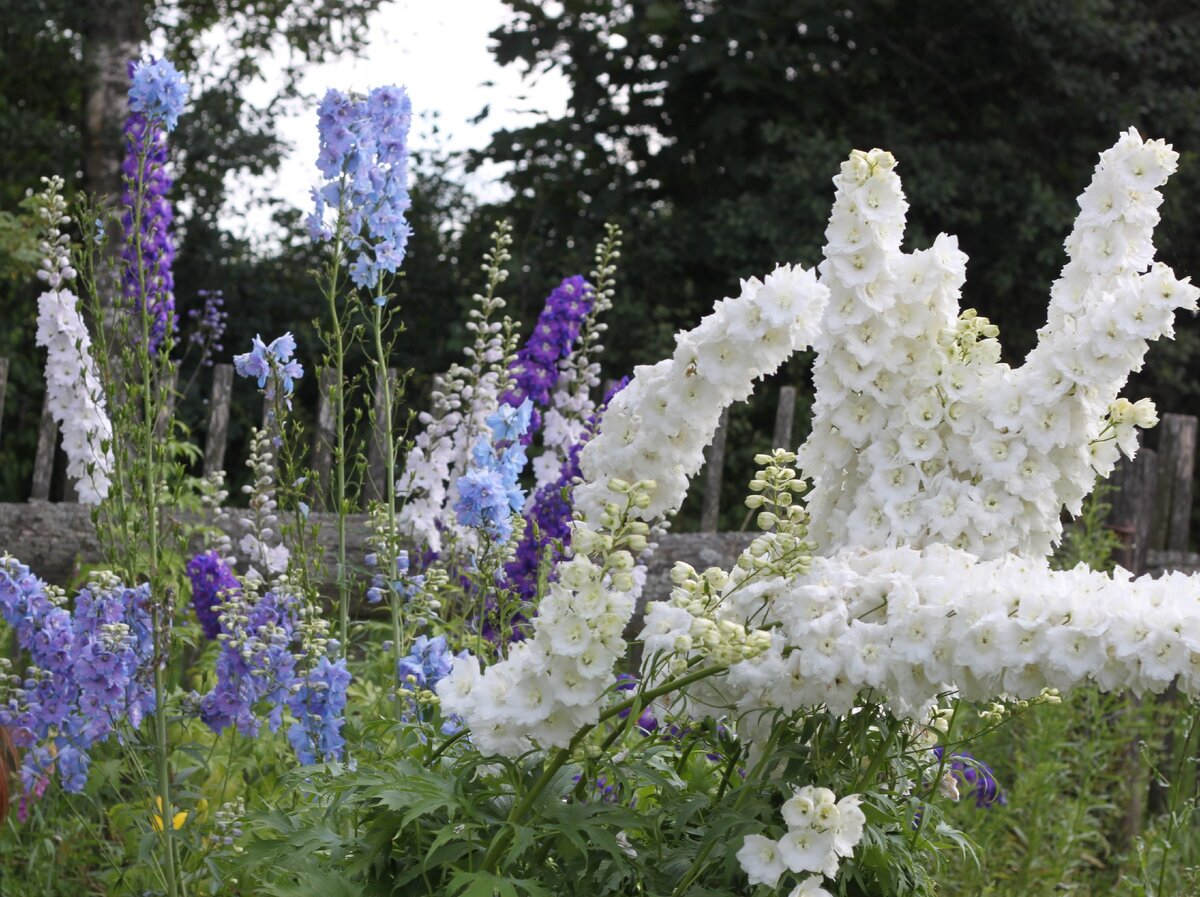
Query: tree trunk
114,33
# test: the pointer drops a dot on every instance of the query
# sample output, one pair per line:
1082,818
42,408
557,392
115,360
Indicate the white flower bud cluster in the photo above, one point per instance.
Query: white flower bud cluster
916,623
552,684
75,395
462,399
657,427
821,830
920,435
690,624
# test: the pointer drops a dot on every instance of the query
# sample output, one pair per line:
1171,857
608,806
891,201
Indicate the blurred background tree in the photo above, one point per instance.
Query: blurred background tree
709,130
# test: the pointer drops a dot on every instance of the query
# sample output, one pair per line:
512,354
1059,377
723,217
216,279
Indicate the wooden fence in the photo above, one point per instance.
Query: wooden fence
1151,511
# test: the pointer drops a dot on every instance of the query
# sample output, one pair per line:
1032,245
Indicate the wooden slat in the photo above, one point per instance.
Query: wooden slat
785,415
1176,466
1132,514
43,462
714,455
218,418
377,450
323,438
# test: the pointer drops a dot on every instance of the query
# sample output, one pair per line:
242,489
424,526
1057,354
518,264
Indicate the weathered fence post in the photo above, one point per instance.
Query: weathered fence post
43,461
377,450
1132,513
218,418
322,450
785,414
1176,467
714,463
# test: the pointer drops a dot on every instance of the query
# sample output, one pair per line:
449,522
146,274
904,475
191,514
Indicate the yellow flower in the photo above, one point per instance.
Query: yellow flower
156,818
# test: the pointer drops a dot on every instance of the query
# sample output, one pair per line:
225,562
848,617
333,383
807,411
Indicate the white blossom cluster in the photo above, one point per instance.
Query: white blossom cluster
462,399
75,396
920,434
916,623
657,427
821,830
551,684
565,421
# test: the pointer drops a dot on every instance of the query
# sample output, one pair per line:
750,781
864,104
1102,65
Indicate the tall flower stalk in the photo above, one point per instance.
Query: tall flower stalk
364,156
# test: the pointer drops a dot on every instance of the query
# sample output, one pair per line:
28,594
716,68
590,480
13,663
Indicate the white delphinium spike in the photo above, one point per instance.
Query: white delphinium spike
75,396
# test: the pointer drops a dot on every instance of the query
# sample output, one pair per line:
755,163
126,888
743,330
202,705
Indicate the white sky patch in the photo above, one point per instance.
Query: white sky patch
440,51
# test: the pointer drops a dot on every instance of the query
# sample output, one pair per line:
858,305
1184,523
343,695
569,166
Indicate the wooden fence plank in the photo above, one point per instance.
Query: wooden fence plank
1177,467
785,415
1132,514
43,461
218,418
714,455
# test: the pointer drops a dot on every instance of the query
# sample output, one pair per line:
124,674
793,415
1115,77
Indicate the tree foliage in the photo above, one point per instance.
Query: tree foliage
710,129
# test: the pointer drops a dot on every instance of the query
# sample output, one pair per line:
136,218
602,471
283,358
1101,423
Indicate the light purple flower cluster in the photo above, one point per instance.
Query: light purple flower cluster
536,367
271,364
402,583
88,673
147,276
489,492
552,514
157,91
364,155
211,580
427,663
208,323
319,706
260,667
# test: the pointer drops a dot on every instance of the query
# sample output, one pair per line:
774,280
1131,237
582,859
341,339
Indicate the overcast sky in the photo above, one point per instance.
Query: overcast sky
439,50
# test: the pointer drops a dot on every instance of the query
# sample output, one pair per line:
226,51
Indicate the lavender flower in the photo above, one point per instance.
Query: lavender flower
89,671
536,369
209,322
319,706
489,492
426,664
147,275
211,581
364,154
157,92
271,364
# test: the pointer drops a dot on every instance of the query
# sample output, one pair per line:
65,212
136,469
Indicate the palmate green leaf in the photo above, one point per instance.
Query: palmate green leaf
485,884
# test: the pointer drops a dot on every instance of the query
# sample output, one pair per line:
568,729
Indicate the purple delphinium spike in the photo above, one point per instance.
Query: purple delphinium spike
149,277
208,323
977,776
535,369
552,514
211,581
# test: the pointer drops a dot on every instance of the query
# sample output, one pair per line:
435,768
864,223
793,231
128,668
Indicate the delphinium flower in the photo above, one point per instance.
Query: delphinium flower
553,336
74,393
208,322
489,493
89,673
211,580
821,831
319,706
976,776
156,97
548,518
364,155
270,365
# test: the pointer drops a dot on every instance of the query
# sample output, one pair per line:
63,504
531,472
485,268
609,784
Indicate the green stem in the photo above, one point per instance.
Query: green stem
389,489
337,395
521,810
